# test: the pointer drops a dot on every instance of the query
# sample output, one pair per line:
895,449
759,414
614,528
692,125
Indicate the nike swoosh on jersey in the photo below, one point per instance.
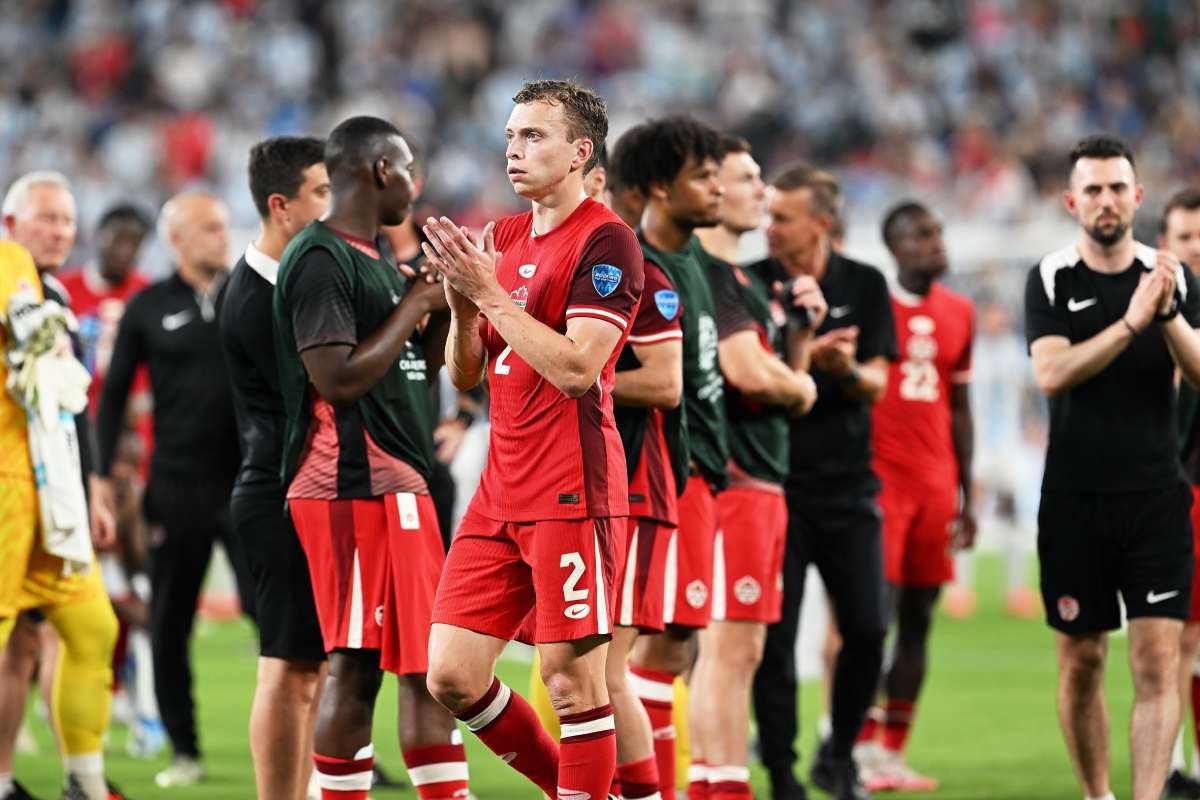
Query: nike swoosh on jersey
1153,598
1074,305
837,312
173,322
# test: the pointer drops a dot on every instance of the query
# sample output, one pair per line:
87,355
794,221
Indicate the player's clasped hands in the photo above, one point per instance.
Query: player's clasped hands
1153,295
469,267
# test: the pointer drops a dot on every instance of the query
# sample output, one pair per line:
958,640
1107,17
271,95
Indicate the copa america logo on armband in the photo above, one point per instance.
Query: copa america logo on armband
605,278
667,303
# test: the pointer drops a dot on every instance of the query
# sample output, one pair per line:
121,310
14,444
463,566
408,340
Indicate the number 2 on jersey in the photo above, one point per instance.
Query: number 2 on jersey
503,368
919,382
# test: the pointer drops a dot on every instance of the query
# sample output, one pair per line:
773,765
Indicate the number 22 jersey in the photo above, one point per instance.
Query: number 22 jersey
551,456
911,426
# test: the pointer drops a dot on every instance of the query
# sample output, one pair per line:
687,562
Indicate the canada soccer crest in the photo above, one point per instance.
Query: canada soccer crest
696,593
1068,608
520,296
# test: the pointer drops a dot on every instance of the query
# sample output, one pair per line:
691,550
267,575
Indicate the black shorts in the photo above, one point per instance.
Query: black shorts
287,616
1092,546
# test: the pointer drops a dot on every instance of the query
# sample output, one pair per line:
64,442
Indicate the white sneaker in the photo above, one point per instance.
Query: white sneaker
892,773
183,771
868,754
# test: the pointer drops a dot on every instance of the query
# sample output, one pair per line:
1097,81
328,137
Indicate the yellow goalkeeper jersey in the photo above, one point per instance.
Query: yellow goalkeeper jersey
17,273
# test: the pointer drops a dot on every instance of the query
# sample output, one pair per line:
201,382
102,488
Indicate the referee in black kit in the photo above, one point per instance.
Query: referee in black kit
290,189
833,519
1108,321
171,327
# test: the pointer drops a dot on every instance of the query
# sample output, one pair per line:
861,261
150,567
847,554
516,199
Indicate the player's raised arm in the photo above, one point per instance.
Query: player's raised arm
1059,365
570,361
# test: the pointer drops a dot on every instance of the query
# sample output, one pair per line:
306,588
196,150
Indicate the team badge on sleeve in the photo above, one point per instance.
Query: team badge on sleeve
667,302
606,278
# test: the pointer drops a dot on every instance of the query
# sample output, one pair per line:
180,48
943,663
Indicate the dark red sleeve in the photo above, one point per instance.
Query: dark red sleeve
657,318
732,314
609,276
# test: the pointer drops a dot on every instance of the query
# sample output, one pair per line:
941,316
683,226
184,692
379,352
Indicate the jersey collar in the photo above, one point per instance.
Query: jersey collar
262,263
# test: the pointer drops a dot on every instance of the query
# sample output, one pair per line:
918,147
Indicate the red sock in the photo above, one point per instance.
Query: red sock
697,781
639,779
345,778
587,753
870,728
615,789
1196,706
438,772
897,722
656,690
511,729
729,783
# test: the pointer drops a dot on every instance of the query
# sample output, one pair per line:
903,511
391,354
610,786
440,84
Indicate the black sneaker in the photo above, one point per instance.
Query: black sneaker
1181,787
18,792
823,772
784,786
847,785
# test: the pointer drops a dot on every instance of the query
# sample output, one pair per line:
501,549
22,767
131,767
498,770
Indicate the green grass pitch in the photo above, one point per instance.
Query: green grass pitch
986,725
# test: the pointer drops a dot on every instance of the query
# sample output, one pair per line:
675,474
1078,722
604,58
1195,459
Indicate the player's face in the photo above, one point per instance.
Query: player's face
117,246
694,197
310,203
540,151
395,172
744,203
794,230
1182,236
202,237
1103,195
917,244
45,225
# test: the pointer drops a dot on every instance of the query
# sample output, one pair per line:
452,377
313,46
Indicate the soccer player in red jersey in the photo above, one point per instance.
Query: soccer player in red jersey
353,355
1179,232
540,310
761,392
922,437
99,292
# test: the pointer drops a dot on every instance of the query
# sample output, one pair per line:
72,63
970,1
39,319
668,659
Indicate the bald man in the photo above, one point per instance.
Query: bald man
39,219
171,326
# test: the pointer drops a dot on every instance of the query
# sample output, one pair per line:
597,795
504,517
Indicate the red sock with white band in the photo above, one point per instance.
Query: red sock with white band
438,772
345,778
509,726
587,754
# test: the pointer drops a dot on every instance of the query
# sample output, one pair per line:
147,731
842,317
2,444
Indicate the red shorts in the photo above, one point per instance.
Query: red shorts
374,564
1194,612
748,555
564,570
917,525
640,582
688,589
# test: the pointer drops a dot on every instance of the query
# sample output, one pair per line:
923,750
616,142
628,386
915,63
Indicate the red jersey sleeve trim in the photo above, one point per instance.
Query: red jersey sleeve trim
598,313
651,338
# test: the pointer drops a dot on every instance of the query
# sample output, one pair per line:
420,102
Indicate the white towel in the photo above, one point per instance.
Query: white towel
50,383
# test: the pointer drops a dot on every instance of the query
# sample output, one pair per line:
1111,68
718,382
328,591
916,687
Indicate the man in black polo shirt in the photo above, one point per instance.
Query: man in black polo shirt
1108,321
833,519
171,326
290,190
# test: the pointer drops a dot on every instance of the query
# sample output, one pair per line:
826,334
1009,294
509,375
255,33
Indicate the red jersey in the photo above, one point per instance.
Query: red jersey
99,308
551,456
911,432
652,492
